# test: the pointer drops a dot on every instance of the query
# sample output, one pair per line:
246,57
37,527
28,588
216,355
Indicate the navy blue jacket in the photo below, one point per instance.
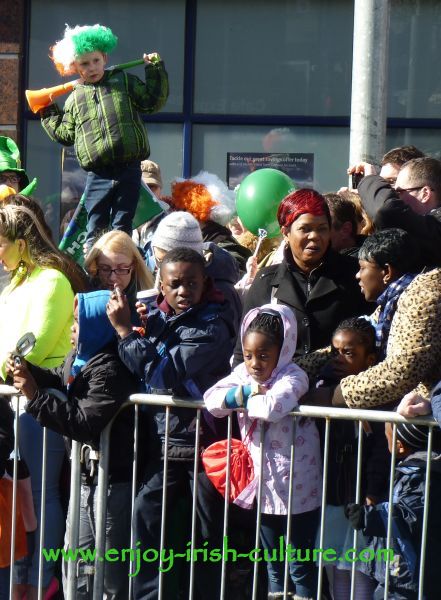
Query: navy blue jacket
182,355
407,521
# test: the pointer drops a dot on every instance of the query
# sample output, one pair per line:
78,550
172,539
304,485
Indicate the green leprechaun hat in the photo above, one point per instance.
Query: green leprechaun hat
10,161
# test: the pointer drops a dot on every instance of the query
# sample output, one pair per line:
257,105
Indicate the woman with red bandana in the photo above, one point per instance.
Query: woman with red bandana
316,282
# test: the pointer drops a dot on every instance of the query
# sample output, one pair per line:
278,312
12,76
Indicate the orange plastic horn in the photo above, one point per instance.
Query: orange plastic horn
38,99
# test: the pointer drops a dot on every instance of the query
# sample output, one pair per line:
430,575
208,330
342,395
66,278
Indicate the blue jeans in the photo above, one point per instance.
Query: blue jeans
116,574
31,446
111,197
4,583
303,531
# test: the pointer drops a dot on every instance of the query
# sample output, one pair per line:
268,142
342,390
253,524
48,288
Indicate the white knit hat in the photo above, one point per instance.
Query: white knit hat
178,230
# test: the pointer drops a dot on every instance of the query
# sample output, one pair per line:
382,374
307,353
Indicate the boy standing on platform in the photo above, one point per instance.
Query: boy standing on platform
101,117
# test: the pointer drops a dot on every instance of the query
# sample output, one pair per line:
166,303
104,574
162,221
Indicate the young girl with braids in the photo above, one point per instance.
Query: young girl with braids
268,385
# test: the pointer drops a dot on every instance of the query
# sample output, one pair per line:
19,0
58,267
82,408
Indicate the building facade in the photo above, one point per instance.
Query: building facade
245,76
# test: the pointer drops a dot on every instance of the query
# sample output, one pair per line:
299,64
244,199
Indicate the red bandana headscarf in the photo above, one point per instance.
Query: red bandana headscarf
302,202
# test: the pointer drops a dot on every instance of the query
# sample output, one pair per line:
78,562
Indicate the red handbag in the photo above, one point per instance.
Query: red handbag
214,461
6,526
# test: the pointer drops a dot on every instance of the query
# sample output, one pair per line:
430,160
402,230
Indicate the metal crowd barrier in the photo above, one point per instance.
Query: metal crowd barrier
169,402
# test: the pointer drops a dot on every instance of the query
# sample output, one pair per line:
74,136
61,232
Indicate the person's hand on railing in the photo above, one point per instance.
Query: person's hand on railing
413,405
118,311
22,377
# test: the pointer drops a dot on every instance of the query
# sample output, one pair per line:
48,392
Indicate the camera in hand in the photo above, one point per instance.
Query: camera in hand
356,178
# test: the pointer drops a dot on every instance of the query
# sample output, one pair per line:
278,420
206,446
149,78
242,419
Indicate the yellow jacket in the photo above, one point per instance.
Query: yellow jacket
41,304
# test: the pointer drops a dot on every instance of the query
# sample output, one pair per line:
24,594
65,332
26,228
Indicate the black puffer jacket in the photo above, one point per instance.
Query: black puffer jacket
184,355
320,300
6,433
94,397
224,271
222,237
384,206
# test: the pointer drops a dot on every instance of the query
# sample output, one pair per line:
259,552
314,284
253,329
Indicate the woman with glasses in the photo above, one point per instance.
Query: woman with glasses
115,259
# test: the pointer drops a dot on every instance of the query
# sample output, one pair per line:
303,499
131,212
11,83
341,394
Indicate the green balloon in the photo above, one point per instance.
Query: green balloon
258,199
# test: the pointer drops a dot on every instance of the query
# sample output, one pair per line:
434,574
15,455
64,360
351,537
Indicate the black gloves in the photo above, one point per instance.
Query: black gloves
355,514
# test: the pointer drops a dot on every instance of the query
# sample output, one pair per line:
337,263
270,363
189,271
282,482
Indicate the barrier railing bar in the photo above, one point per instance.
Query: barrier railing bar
16,402
74,517
289,510
134,488
164,502
101,512
323,507
391,507
425,516
226,507
42,515
357,500
351,414
259,508
194,503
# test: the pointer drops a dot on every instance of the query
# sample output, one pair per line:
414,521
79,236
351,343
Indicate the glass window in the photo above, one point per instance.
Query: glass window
414,65
43,160
166,150
426,140
157,25
284,57
330,146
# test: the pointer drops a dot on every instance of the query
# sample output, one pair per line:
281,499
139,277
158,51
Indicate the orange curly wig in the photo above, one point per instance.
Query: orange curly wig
194,198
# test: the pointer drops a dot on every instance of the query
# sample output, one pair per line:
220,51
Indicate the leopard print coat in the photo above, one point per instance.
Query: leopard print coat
413,358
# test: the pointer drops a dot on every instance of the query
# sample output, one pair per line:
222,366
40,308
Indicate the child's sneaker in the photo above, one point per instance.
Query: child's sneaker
52,590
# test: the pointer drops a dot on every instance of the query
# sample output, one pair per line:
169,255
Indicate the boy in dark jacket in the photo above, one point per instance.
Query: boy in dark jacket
186,348
97,384
407,518
102,118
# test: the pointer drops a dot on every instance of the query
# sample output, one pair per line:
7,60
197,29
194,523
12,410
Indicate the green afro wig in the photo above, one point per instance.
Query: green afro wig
92,39
79,40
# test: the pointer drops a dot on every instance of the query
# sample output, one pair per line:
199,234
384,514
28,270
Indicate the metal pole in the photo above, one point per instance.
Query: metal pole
425,516
369,81
74,518
194,504
101,511
134,488
42,516
16,407
358,501
323,506
226,510
259,507
286,576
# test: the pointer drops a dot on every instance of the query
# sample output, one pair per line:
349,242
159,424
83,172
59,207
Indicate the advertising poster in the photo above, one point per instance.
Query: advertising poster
300,167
